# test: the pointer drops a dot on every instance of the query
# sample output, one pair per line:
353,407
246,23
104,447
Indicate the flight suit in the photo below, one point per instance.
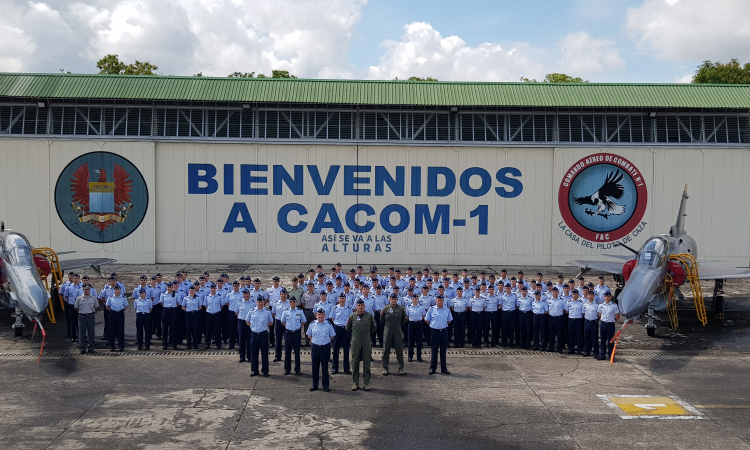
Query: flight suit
392,318
361,327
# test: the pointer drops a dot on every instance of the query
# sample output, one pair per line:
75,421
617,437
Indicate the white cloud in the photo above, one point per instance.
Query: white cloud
310,38
583,55
692,30
688,78
423,52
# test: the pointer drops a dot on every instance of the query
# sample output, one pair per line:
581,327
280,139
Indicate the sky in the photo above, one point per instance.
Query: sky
632,41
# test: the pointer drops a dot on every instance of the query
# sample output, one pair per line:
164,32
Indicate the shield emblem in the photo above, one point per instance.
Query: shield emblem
101,197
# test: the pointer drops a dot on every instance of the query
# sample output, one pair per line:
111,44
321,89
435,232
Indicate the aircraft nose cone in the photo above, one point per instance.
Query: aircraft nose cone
35,299
638,291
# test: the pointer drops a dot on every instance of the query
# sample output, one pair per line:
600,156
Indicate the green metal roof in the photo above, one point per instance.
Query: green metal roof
366,92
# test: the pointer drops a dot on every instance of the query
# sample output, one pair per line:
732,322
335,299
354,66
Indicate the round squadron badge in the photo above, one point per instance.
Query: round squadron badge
101,197
602,197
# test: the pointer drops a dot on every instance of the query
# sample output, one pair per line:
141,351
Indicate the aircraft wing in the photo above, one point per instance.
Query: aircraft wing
71,264
721,273
623,257
604,266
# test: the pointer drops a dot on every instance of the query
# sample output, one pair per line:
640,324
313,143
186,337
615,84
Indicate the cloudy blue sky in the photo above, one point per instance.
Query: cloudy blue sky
472,40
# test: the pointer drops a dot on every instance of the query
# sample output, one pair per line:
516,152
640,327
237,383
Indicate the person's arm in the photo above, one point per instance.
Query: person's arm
617,317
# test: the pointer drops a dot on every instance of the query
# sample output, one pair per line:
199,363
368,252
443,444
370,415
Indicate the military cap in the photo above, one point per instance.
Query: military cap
245,291
329,283
503,271
320,275
158,274
524,288
607,294
601,277
549,283
398,270
220,281
256,280
555,289
360,302
242,278
537,293
282,291
86,277
393,296
439,296
459,288
342,295
473,277
224,275
409,268
415,296
512,278
212,286
293,299
114,274
520,272
310,283
321,311
581,278
275,278
374,267
117,287
153,277
324,293
235,282
191,287
301,275
508,285
169,284
88,286
539,274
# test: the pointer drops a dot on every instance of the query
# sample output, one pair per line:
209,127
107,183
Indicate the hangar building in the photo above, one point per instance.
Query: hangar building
220,170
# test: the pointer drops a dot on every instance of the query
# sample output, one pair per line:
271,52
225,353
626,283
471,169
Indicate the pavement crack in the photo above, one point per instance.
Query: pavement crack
205,392
239,419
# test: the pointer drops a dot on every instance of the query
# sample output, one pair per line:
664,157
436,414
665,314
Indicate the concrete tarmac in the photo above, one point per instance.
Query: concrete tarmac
494,398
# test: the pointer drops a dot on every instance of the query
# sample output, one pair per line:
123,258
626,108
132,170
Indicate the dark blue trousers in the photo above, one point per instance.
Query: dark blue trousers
243,334
607,332
555,333
156,311
415,338
232,318
213,328
168,327
490,321
143,326
591,336
292,343
280,330
476,328
341,342
540,331
439,345
116,329
545,329
459,328
321,355
517,328
258,343
575,335
71,321
192,328
509,325
105,311
526,323
225,328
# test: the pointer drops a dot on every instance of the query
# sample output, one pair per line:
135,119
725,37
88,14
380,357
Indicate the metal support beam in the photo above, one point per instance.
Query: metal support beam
710,136
89,124
391,125
294,127
13,122
192,125
419,130
618,129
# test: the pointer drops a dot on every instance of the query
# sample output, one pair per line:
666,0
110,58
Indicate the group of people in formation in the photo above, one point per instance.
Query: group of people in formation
349,313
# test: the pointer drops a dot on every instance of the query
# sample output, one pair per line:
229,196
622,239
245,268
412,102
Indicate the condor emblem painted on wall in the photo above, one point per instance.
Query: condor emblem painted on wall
101,197
602,197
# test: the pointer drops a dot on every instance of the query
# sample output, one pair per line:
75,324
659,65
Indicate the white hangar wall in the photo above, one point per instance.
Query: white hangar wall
201,218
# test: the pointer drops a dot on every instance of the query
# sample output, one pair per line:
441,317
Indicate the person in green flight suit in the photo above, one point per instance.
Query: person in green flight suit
393,316
360,325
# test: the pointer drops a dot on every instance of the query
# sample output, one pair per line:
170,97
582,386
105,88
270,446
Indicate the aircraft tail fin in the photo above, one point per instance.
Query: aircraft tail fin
679,226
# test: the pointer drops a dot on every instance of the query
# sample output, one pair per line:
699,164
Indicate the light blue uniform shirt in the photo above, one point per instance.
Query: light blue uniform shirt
556,306
510,302
279,307
214,303
608,311
449,293
153,294
326,306
70,293
426,301
192,304
340,314
142,306
243,309
438,318
232,299
79,292
491,302
259,320
380,302
476,303
599,292
369,304
459,304
137,291
524,303
117,303
294,318
321,333
539,307
591,310
255,294
575,309
106,292
169,301
415,313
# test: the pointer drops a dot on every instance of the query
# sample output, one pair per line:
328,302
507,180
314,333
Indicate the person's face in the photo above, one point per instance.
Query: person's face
507,289
394,301
591,297
323,297
520,276
412,283
346,288
601,282
321,317
575,296
360,308
257,284
342,301
566,290
213,290
236,287
153,283
607,298
117,292
275,283
414,301
294,283
538,297
455,278
310,288
539,278
338,282
492,290
246,296
283,296
555,294
292,304
581,282
359,271
439,302
329,287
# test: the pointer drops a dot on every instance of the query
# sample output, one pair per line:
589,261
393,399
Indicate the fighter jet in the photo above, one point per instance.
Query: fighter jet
644,276
21,288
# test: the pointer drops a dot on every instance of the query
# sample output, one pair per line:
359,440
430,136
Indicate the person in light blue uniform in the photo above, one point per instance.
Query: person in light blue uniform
142,307
214,302
459,307
71,315
609,313
575,324
510,305
379,302
439,316
339,315
292,319
191,305
116,304
491,302
415,312
232,298
600,290
324,305
525,317
321,333
259,320
426,300
171,301
556,311
476,324
277,309
241,312
540,309
591,326
153,293
107,291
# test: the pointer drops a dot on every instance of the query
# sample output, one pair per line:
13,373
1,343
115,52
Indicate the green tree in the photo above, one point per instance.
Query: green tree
111,65
275,74
281,74
417,79
556,78
720,73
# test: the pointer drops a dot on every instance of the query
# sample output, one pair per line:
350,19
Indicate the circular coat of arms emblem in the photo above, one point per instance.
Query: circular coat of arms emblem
101,197
602,197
